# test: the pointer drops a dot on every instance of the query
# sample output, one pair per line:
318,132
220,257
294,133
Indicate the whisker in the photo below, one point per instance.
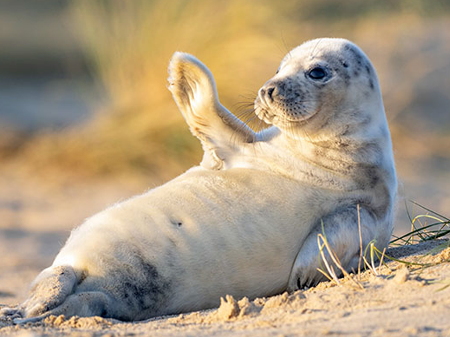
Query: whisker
250,96
240,107
312,53
244,112
288,50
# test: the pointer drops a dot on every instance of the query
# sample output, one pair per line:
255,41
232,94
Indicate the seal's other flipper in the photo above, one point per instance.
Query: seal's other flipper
341,231
194,90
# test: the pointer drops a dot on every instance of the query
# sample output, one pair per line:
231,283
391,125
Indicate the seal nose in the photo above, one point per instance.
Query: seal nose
270,91
267,92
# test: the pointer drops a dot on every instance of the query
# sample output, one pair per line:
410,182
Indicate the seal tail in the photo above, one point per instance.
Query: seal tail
54,292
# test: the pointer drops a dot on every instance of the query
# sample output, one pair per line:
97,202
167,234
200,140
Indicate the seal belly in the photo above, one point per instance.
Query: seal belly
201,236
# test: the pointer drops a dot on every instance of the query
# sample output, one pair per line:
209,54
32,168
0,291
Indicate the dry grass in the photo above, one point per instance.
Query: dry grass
421,229
419,232
130,43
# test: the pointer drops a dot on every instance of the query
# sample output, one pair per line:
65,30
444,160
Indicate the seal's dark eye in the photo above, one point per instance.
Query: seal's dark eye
317,73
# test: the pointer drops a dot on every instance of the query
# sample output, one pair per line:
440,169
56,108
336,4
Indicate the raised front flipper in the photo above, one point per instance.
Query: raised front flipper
194,90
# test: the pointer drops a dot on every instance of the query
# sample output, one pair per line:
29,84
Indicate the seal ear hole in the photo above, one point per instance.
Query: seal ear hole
176,223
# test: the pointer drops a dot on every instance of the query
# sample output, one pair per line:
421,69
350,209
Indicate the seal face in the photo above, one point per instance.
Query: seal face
246,221
315,79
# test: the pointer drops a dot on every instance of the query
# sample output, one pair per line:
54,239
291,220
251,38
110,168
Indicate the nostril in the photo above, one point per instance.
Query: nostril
270,91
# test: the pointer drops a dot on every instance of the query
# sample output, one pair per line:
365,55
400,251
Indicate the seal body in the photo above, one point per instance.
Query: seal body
245,222
181,246
328,130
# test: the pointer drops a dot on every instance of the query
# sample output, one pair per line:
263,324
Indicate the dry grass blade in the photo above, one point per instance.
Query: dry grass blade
331,273
360,241
367,263
446,285
323,244
424,231
406,237
381,258
327,275
407,263
430,210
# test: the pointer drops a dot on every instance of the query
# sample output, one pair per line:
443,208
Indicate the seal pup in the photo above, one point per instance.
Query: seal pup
243,222
329,131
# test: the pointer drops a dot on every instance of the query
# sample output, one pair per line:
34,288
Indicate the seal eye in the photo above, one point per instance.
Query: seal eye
317,73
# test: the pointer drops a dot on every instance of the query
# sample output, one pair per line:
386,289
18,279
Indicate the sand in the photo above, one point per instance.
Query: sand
36,218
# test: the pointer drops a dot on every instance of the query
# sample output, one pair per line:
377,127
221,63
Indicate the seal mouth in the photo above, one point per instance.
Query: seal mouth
263,113
275,112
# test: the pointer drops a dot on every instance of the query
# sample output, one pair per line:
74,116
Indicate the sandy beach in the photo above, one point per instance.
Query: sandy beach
401,301
86,121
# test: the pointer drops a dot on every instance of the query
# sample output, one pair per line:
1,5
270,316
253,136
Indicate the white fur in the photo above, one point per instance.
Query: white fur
246,221
355,115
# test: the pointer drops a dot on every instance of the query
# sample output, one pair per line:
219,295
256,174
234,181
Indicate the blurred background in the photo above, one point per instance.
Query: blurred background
86,118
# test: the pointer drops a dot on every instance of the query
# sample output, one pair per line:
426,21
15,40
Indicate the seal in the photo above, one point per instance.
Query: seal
244,222
329,132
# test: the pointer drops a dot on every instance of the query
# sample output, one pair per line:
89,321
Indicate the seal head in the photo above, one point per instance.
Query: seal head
323,82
